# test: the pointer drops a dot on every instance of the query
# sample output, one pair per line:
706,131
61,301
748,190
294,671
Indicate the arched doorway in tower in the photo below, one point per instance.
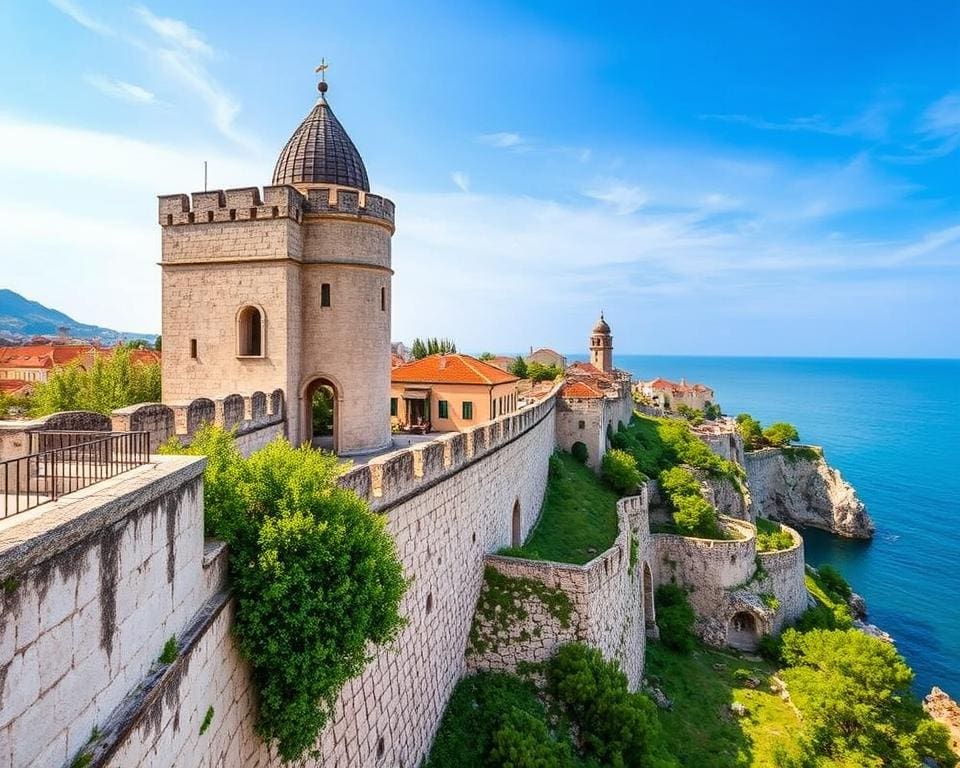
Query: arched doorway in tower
649,610
743,632
321,401
516,533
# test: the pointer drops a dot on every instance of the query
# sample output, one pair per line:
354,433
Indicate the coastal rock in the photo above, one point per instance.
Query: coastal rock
946,711
796,486
858,606
873,630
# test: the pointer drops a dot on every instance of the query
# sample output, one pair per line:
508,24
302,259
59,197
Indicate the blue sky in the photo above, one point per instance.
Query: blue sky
731,178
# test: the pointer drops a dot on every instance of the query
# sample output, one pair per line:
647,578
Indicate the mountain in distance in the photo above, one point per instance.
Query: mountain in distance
22,319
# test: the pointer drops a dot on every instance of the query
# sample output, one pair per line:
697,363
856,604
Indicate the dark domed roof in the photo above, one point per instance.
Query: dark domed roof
601,326
320,152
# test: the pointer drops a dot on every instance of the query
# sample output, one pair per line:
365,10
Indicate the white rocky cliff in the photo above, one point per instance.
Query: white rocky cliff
798,487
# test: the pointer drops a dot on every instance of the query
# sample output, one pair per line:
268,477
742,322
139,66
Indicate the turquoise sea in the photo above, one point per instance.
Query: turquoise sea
892,427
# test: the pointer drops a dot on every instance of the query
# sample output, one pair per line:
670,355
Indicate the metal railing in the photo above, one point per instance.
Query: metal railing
63,462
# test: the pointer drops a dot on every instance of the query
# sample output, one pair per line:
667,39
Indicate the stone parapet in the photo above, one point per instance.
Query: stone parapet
247,204
388,480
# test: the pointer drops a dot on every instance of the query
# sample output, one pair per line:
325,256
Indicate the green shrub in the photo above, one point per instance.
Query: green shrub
519,367
555,467
751,432
616,727
619,470
692,514
170,650
675,618
780,433
854,693
315,575
823,616
475,713
540,372
833,582
207,719
771,536
523,741
111,381
579,451
771,647
620,441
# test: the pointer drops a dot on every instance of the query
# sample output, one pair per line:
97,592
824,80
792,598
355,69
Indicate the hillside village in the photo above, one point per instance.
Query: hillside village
184,586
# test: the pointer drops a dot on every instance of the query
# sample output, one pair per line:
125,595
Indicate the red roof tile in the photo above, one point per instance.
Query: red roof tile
450,369
579,390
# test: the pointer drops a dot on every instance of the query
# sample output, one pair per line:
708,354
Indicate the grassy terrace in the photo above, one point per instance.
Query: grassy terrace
578,520
700,730
771,536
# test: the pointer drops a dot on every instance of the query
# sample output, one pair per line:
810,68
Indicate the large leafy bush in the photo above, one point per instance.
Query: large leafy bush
315,574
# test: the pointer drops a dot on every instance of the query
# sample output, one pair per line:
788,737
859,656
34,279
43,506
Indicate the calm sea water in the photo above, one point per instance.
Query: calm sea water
892,427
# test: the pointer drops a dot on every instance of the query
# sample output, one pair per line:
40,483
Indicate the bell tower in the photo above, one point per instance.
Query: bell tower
601,346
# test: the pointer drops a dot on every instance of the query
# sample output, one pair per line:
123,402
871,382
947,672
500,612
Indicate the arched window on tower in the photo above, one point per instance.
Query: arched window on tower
250,327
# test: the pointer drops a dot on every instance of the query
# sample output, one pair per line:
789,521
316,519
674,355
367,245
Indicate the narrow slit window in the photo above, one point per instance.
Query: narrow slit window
383,299
193,349
325,295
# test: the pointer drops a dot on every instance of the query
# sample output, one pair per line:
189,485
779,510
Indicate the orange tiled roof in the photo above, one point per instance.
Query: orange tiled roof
54,355
579,390
672,386
12,386
450,369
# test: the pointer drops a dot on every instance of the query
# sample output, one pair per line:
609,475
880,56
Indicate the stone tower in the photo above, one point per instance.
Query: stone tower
289,289
601,346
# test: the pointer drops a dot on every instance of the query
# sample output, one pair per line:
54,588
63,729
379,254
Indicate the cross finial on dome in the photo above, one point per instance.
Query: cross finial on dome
322,69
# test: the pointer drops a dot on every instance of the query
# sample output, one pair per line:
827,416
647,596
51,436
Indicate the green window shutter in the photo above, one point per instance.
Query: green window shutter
393,406
467,409
443,409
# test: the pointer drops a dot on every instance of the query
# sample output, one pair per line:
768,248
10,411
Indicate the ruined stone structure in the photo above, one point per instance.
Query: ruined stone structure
287,289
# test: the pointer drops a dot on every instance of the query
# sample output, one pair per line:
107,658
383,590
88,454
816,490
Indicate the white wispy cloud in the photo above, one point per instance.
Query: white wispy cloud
503,140
461,180
82,18
623,198
872,123
120,89
183,54
175,32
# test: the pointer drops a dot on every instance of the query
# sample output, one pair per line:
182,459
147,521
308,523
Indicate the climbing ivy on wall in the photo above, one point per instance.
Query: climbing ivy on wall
501,606
315,574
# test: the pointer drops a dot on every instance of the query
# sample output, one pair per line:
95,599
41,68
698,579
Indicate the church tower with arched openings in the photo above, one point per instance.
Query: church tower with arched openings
289,289
601,346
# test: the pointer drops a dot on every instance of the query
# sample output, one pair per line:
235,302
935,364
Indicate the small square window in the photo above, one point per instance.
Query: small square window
467,409
582,425
443,409
393,406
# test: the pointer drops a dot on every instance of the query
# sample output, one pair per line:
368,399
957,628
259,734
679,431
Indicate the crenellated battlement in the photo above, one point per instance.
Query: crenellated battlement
389,480
280,202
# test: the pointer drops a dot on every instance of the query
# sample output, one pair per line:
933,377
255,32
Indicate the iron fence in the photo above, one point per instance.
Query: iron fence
59,463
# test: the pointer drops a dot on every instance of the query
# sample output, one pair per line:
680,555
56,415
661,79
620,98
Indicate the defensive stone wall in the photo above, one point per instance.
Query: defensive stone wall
738,594
551,604
783,576
93,585
586,420
448,504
